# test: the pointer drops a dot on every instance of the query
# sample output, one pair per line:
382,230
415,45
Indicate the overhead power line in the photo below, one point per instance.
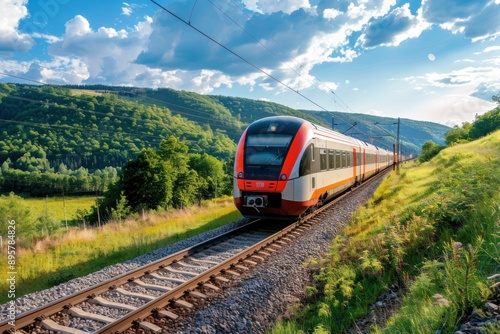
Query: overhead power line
189,24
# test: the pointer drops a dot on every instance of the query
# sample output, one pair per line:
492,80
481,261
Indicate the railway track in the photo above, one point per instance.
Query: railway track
165,288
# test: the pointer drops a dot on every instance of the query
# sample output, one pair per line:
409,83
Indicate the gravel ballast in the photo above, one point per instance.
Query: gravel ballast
254,301
257,299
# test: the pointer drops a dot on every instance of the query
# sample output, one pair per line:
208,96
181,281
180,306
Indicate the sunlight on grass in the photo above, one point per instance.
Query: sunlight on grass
56,259
434,229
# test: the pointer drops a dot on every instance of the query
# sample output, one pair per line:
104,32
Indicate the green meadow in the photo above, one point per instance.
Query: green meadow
66,255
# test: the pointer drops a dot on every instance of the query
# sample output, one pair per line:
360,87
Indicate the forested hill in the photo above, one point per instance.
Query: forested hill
232,114
99,126
90,129
383,130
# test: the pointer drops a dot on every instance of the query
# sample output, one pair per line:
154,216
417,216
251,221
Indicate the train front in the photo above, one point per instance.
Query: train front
266,163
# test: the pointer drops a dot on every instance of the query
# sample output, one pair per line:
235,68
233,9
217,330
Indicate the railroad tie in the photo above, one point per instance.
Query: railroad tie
103,302
203,261
51,325
165,278
151,286
210,286
197,294
221,279
240,267
168,268
166,314
250,262
78,312
260,258
134,294
231,272
263,253
182,303
184,264
148,326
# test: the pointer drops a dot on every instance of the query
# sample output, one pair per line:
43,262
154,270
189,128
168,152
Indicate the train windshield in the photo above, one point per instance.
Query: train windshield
264,155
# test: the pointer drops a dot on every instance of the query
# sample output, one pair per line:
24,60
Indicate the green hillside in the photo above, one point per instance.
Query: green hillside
93,130
431,230
99,126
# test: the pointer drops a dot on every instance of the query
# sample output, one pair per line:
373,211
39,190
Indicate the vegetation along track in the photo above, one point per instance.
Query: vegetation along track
165,287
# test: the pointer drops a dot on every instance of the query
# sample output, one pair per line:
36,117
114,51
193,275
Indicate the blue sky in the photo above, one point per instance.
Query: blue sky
430,60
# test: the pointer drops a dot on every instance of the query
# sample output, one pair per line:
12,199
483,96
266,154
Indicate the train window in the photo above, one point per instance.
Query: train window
322,159
349,161
331,159
344,159
305,162
338,160
358,159
264,155
312,150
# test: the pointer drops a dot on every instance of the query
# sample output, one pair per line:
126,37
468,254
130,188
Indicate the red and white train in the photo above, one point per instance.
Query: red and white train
286,165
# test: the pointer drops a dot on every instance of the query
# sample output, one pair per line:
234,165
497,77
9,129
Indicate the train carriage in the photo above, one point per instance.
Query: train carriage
285,165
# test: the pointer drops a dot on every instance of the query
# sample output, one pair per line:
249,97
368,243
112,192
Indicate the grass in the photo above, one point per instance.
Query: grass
433,228
58,207
81,251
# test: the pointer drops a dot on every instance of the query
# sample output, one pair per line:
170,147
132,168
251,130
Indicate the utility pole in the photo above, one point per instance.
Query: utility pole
398,147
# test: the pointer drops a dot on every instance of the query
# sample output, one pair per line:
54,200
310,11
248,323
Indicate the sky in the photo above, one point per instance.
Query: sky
430,60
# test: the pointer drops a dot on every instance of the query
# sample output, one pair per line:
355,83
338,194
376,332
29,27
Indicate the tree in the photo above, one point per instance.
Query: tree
486,124
429,150
458,134
146,181
12,209
210,172
46,224
122,208
186,187
175,152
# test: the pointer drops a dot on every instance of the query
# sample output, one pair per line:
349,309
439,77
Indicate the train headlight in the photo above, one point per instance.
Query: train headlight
240,175
283,177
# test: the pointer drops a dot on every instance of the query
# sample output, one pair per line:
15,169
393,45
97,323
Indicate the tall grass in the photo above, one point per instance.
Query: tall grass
432,229
57,259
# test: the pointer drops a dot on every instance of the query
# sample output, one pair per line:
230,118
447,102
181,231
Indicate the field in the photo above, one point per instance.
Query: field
58,207
80,251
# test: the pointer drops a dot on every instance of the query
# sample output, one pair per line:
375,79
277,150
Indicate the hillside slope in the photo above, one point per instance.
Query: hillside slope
99,126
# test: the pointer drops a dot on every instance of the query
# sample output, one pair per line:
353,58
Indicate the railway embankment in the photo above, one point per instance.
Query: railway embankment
421,257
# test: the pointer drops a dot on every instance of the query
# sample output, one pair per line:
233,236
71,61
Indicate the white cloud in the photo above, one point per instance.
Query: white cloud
476,19
491,49
331,13
272,6
11,39
393,28
127,9
78,26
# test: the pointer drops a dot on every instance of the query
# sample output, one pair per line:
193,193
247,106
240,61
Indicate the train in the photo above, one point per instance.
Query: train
286,166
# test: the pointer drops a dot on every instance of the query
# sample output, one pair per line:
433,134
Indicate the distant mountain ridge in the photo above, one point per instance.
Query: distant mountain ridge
97,126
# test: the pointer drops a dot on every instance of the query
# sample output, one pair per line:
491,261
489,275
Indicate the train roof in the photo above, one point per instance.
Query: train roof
293,123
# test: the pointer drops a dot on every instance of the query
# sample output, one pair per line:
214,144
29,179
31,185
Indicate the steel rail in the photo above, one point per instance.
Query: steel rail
128,320
29,317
